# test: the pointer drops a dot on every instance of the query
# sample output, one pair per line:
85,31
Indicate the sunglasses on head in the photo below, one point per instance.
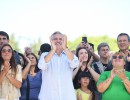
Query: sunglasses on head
115,57
4,50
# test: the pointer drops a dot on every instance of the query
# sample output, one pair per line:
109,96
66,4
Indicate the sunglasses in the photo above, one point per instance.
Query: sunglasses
4,51
119,57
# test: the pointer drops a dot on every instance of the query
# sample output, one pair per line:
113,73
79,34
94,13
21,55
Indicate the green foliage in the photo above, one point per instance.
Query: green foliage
14,43
36,46
96,40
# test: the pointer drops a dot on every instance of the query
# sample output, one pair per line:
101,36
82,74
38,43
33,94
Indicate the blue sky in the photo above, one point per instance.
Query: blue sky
33,19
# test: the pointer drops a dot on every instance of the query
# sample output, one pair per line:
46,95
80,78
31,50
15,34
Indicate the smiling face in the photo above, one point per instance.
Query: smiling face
123,42
6,53
83,55
58,40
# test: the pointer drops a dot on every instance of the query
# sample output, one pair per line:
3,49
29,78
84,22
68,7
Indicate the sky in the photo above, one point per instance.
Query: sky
33,19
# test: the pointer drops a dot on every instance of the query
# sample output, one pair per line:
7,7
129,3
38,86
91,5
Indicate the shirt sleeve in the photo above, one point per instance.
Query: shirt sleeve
74,63
19,73
102,78
42,64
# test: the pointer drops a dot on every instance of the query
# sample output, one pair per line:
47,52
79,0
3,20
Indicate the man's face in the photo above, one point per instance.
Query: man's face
58,40
3,40
103,52
123,42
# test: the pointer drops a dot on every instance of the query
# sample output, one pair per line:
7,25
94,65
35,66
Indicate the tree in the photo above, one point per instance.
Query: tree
96,41
36,46
14,43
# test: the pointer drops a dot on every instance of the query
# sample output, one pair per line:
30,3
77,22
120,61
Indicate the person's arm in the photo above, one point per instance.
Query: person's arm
16,81
48,57
95,56
4,71
69,54
75,72
41,63
13,81
127,84
26,69
94,74
105,84
2,75
121,74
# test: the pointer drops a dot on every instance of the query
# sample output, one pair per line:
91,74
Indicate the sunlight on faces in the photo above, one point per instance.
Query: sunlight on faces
32,59
57,39
83,55
6,53
118,60
123,42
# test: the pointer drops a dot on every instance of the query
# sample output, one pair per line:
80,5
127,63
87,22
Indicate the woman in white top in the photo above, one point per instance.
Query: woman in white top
10,74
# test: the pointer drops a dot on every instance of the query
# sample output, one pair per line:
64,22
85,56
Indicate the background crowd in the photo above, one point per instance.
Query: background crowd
61,74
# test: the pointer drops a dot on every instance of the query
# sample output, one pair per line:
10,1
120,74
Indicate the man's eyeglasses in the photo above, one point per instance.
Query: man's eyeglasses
4,51
119,57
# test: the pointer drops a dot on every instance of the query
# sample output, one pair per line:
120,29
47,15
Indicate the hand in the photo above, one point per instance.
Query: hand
121,73
64,43
128,56
28,50
79,96
90,61
27,59
52,44
80,61
109,55
6,67
113,73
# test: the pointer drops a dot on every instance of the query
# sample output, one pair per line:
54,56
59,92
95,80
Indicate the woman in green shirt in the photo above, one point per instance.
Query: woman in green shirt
115,84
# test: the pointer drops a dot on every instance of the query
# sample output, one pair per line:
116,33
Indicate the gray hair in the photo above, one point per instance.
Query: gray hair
103,44
57,32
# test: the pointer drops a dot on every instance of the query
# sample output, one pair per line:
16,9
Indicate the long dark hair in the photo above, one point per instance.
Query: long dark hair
12,60
90,85
36,67
89,55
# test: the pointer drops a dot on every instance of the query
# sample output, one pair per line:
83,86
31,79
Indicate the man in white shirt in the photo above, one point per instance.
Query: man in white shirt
57,68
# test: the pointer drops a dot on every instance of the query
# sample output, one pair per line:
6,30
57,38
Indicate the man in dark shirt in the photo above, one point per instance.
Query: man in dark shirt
123,41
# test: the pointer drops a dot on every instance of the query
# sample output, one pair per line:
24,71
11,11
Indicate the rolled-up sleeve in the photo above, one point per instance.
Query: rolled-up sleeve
41,63
74,63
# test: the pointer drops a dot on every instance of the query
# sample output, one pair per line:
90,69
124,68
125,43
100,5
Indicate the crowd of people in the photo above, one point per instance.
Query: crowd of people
61,74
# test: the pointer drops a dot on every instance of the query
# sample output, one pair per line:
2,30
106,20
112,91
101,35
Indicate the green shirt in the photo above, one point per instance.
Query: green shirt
116,90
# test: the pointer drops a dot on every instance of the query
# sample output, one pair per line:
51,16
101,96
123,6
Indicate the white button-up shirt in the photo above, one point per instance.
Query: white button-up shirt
57,77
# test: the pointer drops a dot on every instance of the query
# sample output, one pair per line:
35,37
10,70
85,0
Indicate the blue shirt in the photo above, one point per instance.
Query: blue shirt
35,86
57,77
